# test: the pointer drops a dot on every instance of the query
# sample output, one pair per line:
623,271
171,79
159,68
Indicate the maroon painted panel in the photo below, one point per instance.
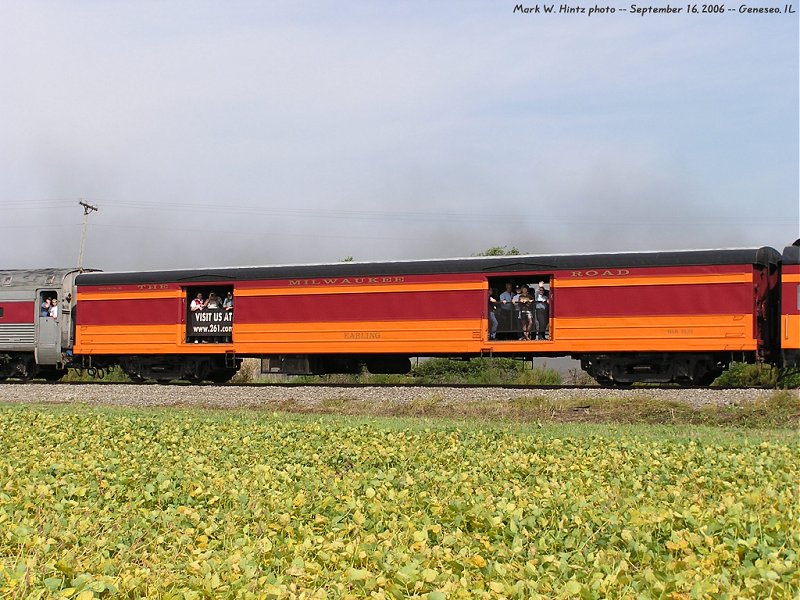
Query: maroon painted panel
622,301
149,311
790,298
789,292
385,306
17,312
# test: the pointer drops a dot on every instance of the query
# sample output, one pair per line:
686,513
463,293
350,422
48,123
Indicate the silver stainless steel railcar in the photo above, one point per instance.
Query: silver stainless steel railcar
35,342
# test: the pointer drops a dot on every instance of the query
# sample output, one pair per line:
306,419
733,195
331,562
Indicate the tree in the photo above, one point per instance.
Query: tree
499,251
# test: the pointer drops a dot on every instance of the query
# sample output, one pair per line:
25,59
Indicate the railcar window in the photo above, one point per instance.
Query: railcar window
1,312
209,314
519,307
48,304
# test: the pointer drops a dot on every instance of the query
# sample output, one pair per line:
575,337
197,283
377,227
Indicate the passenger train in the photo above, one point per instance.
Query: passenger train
659,317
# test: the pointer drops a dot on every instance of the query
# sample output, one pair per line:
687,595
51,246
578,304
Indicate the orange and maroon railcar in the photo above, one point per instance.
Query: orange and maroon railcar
628,317
790,306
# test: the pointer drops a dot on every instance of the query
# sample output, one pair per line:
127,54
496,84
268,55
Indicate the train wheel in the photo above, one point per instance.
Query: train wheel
222,375
24,369
704,373
54,375
605,382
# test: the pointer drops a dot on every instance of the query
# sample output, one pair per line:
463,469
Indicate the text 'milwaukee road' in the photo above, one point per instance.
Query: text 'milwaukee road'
643,10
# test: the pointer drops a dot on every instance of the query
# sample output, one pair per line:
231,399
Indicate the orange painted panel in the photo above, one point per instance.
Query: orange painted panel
793,277
376,332
122,339
571,335
389,336
679,333
790,332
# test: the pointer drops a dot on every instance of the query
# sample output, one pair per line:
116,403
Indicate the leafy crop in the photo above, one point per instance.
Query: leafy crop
190,504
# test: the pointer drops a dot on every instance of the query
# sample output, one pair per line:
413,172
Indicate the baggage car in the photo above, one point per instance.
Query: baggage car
628,317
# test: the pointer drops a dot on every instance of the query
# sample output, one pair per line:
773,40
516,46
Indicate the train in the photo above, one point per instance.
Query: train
655,317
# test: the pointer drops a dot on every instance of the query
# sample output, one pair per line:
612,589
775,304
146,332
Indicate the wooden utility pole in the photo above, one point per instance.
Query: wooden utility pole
87,208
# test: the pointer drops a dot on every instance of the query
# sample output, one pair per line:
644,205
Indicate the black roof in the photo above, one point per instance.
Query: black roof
791,254
499,264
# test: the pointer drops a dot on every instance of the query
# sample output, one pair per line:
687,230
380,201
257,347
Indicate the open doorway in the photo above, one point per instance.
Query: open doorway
48,304
521,305
209,314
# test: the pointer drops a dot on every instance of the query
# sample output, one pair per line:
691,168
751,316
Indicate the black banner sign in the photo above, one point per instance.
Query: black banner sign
210,322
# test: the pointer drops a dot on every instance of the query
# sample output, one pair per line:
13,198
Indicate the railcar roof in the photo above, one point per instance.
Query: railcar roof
33,278
478,264
791,254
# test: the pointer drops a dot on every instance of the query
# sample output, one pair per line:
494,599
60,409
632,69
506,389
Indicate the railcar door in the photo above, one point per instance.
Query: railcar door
47,350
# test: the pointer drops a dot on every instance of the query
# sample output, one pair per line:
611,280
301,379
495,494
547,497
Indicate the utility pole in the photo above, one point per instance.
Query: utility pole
87,208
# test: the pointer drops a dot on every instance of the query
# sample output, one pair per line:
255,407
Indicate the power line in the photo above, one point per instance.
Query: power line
394,215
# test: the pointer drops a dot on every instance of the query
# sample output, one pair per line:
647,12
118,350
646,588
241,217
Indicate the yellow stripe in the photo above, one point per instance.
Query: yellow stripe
791,277
654,280
130,295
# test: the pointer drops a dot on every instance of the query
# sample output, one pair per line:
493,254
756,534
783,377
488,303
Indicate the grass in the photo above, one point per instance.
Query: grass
779,410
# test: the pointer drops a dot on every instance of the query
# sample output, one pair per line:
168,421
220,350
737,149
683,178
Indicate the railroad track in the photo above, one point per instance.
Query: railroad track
459,386
453,400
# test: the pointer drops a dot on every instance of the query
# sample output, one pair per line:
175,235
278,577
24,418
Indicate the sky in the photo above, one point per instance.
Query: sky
279,132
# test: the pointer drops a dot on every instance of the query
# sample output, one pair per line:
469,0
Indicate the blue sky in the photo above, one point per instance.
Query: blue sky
281,132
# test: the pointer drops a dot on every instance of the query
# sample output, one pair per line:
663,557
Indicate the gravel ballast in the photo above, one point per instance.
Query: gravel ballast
326,399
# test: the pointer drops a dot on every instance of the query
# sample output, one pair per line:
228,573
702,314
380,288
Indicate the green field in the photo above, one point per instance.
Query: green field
201,504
